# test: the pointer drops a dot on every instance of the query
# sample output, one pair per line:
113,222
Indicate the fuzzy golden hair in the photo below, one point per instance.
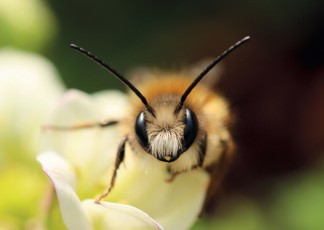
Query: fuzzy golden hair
165,131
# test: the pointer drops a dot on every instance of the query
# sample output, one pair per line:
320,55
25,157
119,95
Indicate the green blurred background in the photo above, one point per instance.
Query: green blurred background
275,84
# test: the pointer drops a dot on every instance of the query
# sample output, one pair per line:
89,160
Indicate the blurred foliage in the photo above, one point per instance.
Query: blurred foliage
294,203
128,34
275,85
21,190
27,24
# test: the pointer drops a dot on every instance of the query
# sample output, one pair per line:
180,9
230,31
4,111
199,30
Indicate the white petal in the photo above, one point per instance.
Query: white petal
92,151
174,205
118,216
113,104
62,176
74,107
29,88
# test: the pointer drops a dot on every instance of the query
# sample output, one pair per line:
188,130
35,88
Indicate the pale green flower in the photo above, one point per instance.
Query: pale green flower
29,88
27,24
86,214
79,164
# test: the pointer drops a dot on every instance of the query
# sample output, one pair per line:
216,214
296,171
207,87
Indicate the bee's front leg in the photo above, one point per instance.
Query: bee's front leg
119,159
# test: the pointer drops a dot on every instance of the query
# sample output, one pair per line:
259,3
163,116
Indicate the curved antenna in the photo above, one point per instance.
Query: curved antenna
208,68
116,74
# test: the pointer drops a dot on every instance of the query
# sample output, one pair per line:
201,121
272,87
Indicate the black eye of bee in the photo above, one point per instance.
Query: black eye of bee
140,129
191,128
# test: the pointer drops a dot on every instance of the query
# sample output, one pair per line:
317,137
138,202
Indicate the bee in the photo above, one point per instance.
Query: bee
176,122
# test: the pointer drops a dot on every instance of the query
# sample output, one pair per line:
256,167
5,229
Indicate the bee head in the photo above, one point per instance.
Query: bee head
166,128
168,133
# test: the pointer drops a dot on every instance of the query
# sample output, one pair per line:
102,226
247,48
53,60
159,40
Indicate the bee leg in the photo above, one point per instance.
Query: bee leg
172,177
101,124
119,159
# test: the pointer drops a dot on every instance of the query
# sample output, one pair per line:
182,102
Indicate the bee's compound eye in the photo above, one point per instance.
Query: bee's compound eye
140,129
191,128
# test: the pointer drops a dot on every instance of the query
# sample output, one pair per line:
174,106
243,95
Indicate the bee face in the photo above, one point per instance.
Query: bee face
166,127
169,133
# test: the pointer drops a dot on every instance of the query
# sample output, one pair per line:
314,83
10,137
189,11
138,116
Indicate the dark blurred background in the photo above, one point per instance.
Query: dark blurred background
275,83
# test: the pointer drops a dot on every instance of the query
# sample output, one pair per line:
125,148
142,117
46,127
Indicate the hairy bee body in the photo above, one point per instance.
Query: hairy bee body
177,124
165,131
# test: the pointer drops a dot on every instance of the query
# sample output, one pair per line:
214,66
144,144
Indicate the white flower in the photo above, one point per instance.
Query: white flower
79,164
86,214
29,88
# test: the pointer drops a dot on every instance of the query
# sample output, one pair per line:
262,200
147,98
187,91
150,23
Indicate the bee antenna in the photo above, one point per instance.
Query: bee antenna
116,74
208,68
